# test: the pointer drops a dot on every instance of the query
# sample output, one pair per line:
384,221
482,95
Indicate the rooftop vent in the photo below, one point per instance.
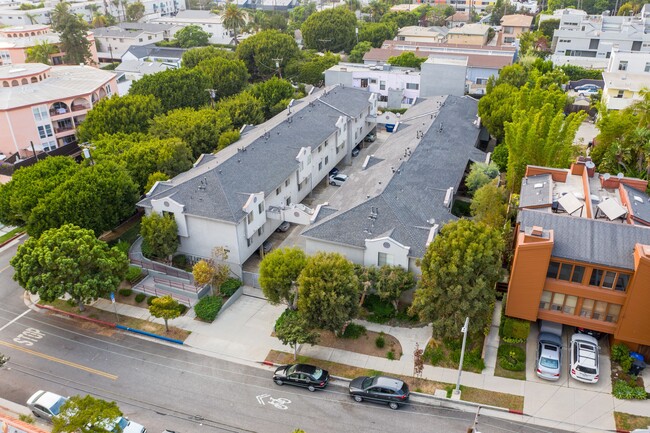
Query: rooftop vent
538,185
638,199
537,231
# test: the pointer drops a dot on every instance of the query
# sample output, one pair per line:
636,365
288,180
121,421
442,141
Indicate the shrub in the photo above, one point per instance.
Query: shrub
230,286
380,341
390,355
380,311
126,292
180,261
182,308
124,247
150,300
511,357
627,391
354,331
208,308
133,274
140,297
620,352
26,418
515,330
435,355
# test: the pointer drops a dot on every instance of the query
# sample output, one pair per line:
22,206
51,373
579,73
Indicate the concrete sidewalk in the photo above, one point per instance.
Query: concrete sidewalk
242,333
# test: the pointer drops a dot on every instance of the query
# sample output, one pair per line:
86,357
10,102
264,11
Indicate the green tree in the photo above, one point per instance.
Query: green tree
41,52
175,88
377,9
480,174
401,19
376,33
501,8
226,77
359,50
192,36
311,71
72,34
274,93
328,291
127,114
85,415
459,271
279,271
439,13
330,30
548,27
70,261
542,137
489,205
159,235
194,56
392,281
293,330
260,51
200,129
233,19
97,197
300,13
29,185
135,11
407,59
153,178
165,307
575,73
275,21
243,109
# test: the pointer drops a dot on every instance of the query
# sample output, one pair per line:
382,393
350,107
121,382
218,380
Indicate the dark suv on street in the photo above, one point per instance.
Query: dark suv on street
380,389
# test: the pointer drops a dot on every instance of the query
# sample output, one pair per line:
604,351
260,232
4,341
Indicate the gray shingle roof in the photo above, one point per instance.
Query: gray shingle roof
532,194
416,192
227,179
586,240
151,50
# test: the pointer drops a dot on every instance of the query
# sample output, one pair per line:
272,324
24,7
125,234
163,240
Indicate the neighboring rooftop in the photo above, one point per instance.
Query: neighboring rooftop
381,55
450,47
141,67
417,31
626,81
151,50
517,20
406,187
147,27
474,29
63,82
462,17
587,240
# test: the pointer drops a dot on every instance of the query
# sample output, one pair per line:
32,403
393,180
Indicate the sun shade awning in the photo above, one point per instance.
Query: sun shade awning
612,209
570,203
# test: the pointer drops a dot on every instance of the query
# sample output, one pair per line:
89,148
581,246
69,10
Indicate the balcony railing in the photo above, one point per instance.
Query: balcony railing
58,111
79,107
59,129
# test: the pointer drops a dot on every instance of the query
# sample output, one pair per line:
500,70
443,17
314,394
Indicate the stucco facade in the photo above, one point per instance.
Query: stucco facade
42,105
626,75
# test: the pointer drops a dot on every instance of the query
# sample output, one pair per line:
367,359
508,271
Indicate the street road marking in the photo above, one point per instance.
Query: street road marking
14,319
5,268
60,361
278,403
29,336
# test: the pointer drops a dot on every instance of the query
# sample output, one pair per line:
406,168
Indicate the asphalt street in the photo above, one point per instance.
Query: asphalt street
164,386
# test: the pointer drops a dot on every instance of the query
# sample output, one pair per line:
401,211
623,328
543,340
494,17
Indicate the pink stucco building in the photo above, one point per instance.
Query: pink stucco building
16,40
42,105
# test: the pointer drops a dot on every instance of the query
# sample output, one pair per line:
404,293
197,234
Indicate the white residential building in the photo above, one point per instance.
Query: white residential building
588,40
433,34
114,41
237,197
558,13
209,22
626,75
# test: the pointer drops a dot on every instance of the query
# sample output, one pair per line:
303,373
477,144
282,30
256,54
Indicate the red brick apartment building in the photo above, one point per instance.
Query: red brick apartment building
582,252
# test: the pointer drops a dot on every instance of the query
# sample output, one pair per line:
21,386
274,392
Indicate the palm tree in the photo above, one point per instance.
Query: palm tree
642,107
31,17
41,53
116,4
124,5
233,19
99,20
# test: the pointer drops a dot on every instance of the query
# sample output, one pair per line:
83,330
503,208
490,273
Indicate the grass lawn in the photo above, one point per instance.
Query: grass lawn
625,421
11,234
502,372
130,322
500,399
447,354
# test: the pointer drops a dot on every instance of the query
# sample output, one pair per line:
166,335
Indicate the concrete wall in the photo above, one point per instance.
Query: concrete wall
355,255
441,79
396,252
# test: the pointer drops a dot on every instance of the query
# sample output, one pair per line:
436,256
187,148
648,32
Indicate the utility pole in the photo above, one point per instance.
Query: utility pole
213,96
324,41
464,330
277,66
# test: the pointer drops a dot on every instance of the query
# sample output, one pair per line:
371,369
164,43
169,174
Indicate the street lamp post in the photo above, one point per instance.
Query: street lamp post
462,355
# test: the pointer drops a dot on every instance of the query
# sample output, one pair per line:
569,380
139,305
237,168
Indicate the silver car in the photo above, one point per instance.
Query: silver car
549,356
338,179
584,358
45,404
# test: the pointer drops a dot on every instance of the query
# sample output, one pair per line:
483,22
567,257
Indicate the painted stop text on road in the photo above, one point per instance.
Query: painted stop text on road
29,336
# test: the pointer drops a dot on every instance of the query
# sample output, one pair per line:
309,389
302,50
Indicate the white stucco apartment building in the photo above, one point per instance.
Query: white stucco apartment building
626,75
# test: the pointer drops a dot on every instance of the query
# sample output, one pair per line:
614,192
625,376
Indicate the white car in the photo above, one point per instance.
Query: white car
127,426
584,358
45,404
338,179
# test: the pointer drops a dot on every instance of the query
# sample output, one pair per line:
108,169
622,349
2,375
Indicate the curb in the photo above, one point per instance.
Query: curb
109,324
16,236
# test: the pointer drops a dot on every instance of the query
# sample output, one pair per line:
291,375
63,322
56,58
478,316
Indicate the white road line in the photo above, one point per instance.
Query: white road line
14,319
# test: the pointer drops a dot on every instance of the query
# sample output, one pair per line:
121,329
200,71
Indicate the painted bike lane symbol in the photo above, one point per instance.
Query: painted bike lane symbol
278,403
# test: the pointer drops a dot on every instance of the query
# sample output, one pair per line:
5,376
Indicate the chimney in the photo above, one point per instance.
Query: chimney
537,231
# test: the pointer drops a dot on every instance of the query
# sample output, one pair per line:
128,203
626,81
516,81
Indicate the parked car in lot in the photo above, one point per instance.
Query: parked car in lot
370,138
597,335
283,227
267,246
355,151
124,425
45,404
549,356
334,171
584,358
338,180
305,375
380,389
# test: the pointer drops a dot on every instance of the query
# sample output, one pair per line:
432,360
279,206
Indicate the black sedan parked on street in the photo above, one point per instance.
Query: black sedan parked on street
380,389
304,375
